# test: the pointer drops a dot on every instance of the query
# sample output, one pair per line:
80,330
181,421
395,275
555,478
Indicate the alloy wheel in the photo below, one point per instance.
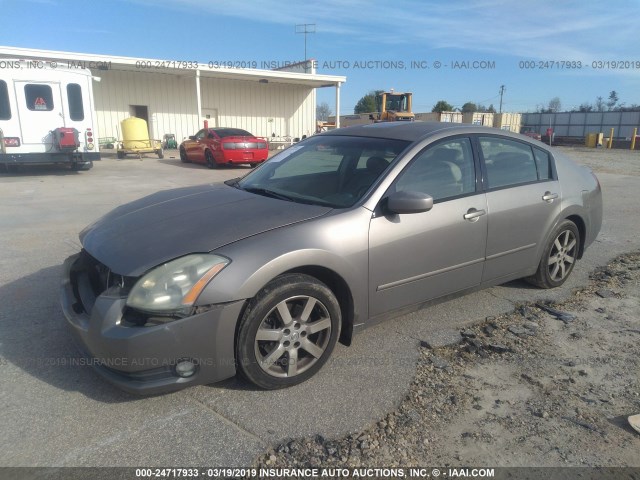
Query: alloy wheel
562,256
293,336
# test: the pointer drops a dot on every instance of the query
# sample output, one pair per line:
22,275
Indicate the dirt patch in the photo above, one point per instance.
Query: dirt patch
622,162
546,385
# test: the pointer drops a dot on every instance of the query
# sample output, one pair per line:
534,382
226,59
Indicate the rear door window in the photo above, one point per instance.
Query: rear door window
543,162
76,107
39,97
5,108
508,162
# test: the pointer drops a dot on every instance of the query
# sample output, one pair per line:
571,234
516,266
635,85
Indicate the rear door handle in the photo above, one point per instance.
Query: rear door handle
549,197
472,214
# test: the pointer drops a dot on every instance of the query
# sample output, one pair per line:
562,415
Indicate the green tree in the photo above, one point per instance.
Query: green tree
555,105
469,107
613,99
585,107
442,106
489,109
367,104
631,108
323,111
599,105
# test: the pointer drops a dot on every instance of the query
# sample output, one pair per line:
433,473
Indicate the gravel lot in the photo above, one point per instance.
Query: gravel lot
623,162
530,388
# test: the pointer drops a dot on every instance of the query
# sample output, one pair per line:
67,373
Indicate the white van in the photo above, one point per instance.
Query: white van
46,114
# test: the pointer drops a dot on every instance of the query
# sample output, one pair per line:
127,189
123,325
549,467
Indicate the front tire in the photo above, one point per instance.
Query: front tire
287,332
559,256
183,156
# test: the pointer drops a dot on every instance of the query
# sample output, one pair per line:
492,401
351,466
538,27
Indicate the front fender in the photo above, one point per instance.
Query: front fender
336,242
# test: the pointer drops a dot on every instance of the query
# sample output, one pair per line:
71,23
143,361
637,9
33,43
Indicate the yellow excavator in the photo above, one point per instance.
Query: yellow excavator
393,107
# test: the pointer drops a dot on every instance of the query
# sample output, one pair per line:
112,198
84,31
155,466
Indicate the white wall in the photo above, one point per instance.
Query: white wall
171,101
263,109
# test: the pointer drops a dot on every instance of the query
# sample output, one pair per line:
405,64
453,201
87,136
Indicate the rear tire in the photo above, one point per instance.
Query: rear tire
120,154
81,167
559,256
211,163
287,332
160,153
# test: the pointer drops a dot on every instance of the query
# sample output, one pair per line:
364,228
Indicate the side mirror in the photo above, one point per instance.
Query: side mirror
192,137
409,202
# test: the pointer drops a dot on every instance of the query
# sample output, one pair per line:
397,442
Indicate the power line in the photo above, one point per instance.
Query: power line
489,99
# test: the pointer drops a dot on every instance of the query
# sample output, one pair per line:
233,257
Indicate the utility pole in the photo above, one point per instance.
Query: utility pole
305,28
502,90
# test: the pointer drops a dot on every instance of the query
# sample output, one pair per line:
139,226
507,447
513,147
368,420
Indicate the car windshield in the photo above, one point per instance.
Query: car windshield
325,170
231,132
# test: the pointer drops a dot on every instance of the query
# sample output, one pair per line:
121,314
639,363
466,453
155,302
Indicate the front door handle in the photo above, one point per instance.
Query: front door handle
549,197
472,214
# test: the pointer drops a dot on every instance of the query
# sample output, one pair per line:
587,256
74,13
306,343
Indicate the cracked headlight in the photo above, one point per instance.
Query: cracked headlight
175,286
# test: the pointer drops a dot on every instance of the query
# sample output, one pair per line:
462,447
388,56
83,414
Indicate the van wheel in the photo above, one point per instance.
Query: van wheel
287,332
78,167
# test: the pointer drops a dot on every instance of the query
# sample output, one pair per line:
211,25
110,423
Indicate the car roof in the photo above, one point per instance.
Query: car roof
229,129
413,131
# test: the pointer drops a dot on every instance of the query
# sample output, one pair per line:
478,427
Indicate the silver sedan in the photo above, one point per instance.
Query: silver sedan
263,275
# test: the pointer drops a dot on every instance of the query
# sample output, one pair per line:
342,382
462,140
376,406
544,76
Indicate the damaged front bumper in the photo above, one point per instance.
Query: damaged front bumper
143,359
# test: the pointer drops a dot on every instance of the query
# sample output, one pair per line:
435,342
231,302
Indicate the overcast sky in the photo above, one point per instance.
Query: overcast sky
376,45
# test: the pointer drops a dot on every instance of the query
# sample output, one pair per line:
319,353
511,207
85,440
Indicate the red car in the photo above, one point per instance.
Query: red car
224,146
529,132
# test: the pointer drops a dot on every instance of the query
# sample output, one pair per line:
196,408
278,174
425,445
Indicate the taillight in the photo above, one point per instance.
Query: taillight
229,145
89,139
262,145
11,142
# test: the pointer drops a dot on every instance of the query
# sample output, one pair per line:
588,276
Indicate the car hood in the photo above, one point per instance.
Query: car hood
153,230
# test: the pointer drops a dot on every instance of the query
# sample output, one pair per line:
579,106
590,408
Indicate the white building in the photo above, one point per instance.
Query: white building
177,97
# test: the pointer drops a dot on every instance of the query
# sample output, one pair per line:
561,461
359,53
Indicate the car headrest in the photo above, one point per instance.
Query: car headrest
445,154
448,172
377,165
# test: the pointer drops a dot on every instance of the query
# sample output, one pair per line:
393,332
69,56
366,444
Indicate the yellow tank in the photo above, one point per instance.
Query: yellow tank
591,139
135,133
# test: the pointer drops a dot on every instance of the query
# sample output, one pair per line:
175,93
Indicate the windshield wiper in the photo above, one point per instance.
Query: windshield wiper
268,193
